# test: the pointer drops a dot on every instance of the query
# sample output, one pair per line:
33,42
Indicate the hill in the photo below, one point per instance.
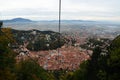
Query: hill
37,39
18,20
63,21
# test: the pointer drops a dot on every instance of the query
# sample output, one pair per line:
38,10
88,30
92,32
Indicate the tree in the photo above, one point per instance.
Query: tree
113,60
30,70
81,74
7,56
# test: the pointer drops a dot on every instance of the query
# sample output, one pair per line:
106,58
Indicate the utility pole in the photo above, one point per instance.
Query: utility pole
59,32
59,23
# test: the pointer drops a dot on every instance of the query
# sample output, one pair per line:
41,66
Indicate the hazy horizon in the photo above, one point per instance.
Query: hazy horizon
99,10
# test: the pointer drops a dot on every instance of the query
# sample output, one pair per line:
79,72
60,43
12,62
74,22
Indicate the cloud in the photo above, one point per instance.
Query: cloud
71,9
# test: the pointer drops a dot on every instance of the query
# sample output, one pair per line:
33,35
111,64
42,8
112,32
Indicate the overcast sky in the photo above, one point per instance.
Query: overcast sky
71,9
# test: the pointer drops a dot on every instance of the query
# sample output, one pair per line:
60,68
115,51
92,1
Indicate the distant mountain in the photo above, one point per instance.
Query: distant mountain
77,21
63,21
18,20
28,20
67,21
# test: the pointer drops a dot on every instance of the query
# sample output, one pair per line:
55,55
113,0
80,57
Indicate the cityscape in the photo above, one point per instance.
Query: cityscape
75,48
59,40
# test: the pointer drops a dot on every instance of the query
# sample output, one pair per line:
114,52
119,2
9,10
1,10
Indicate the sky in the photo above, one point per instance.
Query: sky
101,10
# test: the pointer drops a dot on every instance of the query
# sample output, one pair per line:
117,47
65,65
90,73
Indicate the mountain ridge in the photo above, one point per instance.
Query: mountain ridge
18,20
28,20
63,21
